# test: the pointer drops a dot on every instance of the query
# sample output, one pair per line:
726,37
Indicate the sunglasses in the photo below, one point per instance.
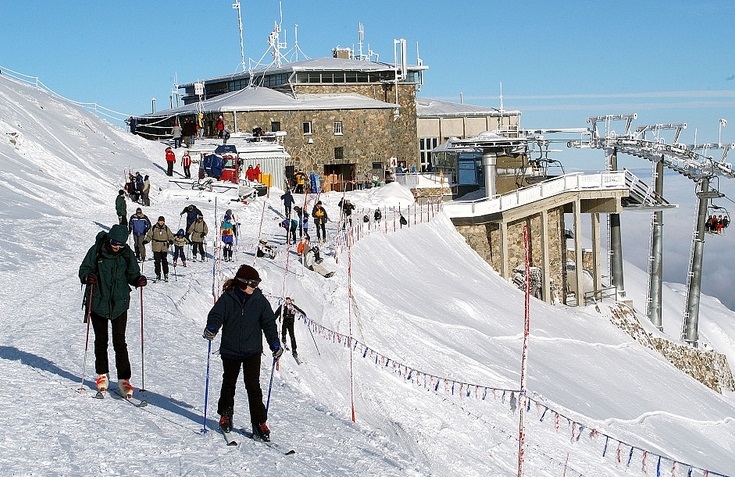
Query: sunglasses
115,243
249,283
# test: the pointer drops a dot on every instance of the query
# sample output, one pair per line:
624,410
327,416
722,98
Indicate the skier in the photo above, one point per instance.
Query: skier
197,231
290,225
162,237
186,164
303,218
192,212
347,207
245,315
320,221
288,201
228,238
109,268
144,194
121,208
288,312
377,216
180,242
139,224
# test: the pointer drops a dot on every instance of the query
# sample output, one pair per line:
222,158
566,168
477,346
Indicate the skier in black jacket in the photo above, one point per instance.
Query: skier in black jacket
244,315
288,311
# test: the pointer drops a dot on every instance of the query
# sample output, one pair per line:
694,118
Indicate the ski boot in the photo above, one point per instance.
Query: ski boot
262,432
125,388
102,383
225,421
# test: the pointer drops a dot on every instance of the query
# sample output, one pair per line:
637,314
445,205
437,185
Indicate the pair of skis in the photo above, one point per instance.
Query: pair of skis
233,443
131,400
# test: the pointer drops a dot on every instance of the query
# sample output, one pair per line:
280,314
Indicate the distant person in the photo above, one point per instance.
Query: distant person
192,212
197,233
176,134
320,221
132,124
189,131
288,311
303,217
245,316
109,269
220,126
257,172
250,173
160,237
265,250
227,234
288,201
186,164
144,193
121,208
290,225
180,241
139,225
170,161
300,181
347,207
377,216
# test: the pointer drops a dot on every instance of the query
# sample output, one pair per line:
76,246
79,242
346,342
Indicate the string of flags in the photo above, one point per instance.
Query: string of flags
622,453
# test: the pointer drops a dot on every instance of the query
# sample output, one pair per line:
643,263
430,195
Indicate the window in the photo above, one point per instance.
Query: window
275,126
338,128
426,144
339,152
307,128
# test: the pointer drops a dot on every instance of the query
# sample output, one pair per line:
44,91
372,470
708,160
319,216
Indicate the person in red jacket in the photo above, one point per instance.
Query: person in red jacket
220,126
170,161
186,164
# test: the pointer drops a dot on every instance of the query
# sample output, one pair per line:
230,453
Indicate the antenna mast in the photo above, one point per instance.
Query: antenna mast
236,6
360,38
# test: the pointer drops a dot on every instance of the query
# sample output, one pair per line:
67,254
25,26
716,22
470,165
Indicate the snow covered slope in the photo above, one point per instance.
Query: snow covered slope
434,359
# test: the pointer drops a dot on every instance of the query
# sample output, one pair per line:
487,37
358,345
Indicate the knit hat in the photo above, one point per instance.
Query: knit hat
119,233
138,210
121,192
161,218
180,233
246,272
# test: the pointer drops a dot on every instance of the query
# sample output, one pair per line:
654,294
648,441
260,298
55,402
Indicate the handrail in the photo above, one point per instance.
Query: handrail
569,182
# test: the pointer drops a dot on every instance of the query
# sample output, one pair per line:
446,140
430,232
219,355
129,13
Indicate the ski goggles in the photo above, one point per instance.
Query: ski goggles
116,243
249,283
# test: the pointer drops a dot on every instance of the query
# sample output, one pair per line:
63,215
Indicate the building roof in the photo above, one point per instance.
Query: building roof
427,108
315,64
266,99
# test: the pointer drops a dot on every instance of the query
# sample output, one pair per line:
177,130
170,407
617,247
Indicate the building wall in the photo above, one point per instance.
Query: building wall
486,241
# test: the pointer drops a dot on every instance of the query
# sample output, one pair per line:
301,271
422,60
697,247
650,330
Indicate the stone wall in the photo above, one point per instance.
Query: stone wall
486,241
708,367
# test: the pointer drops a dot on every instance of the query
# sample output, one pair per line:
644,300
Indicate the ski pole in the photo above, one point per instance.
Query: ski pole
87,319
206,389
314,340
142,354
270,385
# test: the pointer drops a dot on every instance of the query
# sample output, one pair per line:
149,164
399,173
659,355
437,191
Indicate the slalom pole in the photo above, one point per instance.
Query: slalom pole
87,320
270,385
206,389
142,354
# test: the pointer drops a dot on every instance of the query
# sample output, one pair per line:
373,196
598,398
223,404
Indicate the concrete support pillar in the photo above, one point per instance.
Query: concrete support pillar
578,251
505,272
596,267
616,240
545,255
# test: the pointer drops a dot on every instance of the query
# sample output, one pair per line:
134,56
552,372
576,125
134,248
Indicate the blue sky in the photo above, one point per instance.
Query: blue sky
559,62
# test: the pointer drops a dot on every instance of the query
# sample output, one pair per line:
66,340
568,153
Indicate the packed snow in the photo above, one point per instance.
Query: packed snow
415,336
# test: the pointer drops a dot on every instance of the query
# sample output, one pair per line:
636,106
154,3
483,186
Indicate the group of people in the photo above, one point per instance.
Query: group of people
242,312
716,224
138,188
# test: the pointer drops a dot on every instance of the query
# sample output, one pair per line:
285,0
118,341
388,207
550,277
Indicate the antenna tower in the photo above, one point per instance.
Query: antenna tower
236,6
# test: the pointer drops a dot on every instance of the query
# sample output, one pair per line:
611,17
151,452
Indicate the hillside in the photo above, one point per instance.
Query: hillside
435,353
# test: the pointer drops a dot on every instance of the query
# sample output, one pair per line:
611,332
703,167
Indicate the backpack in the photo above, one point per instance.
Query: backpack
403,220
378,214
365,218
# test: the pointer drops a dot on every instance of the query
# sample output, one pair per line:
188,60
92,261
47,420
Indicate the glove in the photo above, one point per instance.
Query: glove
91,279
141,281
277,352
209,334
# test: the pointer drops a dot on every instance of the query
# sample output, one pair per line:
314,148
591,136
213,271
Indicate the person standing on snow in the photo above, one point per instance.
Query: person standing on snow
320,221
186,164
288,201
245,315
197,231
170,161
121,208
192,212
288,311
161,237
180,242
108,269
144,198
139,224
220,127
176,133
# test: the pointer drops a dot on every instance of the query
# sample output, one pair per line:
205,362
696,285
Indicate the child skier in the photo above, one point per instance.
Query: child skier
180,241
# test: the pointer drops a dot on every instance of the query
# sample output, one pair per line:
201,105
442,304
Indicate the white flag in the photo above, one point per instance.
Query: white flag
723,122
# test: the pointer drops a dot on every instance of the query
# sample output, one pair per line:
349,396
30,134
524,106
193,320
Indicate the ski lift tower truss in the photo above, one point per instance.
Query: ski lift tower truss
691,161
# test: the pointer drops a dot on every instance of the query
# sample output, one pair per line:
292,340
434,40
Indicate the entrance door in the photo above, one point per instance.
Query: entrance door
339,176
